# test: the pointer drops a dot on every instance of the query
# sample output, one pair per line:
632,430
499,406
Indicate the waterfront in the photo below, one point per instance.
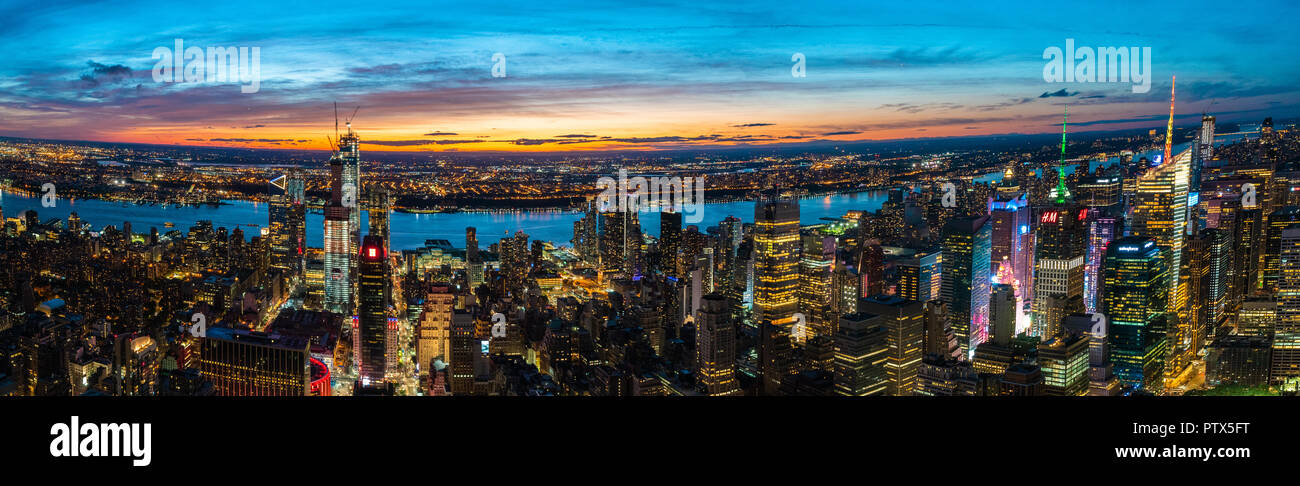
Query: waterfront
409,230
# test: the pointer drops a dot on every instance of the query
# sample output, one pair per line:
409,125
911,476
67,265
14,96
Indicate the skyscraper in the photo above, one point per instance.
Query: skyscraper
1136,287
966,280
1286,338
1160,213
287,225
816,283
1058,265
372,265
920,276
379,207
715,348
904,323
248,363
1064,364
670,243
1003,310
776,261
338,246
1012,242
861,351
1204,151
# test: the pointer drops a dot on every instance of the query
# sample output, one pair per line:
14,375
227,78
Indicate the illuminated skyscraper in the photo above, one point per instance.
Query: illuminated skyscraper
288,225
350,155
1012,242
920,277
1058,266
732,280
1136,287
816,280
1160,213
776,261
1284,218
1103,227
1003,310
904,322
966,280
670,243
1286,338
248,363
373,283
715,345
379,207
620,243
1204,151
861,353
1257,317
1064,364
433,330
338,246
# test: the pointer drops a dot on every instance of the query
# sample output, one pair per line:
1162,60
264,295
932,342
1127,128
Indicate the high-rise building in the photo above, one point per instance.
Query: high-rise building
715,345
1257,317
670,243
732,279
372,265
349,154
1204,151
287,225
816,284
1064,364
338,245
378,208
1012,242
1103,227
1238,360
920,276
1278,221
776,261
904,322
240,362
434,328
966,280
861,353
464,348
1058,265
620,243
1160,213
1286,337
1136,287
1003,310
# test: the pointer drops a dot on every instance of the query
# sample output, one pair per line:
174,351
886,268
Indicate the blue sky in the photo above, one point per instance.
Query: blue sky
584,75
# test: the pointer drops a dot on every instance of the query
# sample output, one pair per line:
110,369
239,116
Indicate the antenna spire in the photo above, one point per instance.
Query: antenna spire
1169,131
1061,191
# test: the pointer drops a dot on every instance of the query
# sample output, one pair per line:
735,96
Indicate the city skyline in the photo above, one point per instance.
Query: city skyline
659,77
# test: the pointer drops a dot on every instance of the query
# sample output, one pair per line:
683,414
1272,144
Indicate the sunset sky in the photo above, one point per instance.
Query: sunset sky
646,75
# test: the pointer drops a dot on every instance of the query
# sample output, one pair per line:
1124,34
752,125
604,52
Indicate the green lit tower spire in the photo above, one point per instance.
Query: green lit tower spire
1061,193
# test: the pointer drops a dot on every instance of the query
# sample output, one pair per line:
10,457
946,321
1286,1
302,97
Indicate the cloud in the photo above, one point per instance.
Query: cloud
575,135
748,125
104,73
440,134
842,132
1061,93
